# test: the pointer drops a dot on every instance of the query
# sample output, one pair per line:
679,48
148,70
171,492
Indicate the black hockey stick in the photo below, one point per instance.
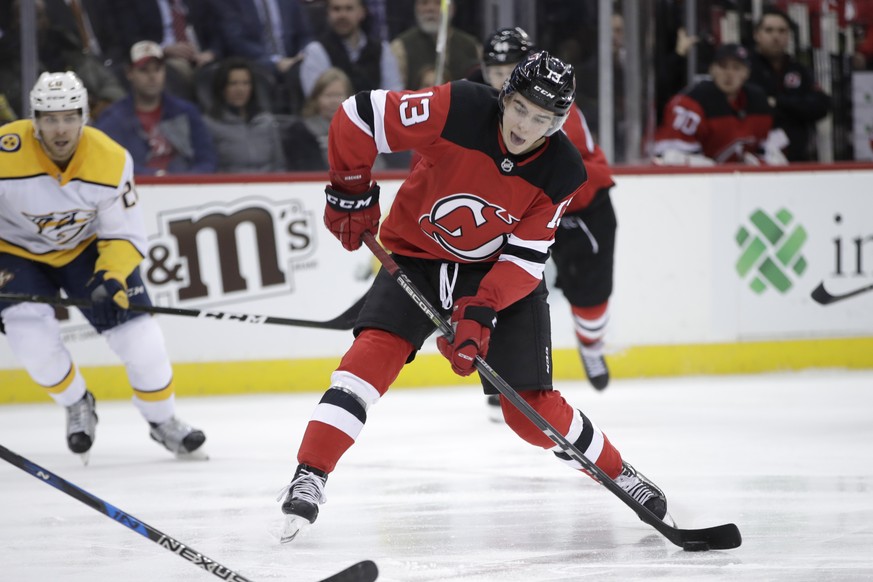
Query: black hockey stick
365,571
344,321
722,537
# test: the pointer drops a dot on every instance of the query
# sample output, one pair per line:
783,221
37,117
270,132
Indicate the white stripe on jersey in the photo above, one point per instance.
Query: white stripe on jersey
377,100
350,106
530,267
533,268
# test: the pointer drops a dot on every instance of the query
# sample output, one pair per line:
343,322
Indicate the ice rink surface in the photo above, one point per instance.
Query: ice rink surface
433,491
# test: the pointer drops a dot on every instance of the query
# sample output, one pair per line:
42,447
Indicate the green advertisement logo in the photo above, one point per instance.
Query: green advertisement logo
770,251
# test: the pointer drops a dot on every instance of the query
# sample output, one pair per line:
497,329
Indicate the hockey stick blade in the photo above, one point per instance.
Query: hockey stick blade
124,518
344,321
722,537
365,571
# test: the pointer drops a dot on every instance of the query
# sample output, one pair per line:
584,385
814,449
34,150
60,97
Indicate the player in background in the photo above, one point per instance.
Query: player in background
471,227
723,119
584,246
70,220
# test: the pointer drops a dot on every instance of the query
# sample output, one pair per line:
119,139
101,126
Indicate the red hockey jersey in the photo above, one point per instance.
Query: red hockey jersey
468,199
700,120
599,175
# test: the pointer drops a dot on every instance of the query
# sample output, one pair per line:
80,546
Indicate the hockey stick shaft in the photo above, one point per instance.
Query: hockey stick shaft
442,43
344,321
365,571
123,518
720,537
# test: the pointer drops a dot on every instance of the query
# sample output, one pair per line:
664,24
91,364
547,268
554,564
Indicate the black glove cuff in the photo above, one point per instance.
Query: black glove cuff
344,202
482,315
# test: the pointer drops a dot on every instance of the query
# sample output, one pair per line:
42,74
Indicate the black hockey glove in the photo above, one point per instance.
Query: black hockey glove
109,296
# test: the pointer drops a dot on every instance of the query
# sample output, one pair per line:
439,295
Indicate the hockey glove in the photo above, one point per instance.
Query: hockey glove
473,322
109,296
352,207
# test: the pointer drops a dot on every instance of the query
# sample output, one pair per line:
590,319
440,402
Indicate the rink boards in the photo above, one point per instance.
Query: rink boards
715,273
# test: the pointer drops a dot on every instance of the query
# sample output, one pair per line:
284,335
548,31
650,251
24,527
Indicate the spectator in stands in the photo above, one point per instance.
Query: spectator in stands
270,34
367,61
305,142
186,31
246,138
672,67
94,26
790,86
588,94
720,120
60,49
163,133
415,48
862,27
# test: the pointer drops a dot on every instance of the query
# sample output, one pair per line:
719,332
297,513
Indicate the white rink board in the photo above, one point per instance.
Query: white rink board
676,279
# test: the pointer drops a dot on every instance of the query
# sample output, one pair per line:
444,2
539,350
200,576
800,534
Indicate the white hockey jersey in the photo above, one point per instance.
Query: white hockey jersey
50,216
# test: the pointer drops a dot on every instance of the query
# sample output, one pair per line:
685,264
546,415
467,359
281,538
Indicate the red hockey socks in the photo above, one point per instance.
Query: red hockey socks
364,375
571,423
590,322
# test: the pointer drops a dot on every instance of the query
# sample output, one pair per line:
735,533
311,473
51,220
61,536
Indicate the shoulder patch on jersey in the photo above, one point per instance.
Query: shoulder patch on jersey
10,142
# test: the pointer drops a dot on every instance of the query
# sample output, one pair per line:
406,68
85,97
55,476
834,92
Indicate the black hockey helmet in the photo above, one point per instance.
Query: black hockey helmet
546,81
506,46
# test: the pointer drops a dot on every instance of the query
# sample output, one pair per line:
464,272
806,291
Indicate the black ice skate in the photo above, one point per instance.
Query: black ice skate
82,426
594,364
647,493
179,438
300,500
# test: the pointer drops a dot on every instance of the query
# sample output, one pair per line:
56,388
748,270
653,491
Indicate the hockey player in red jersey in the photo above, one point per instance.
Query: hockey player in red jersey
721,120
471,227
584,247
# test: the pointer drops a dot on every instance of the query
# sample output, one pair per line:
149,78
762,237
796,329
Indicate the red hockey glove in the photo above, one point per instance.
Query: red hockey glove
352,207
473,321
109,297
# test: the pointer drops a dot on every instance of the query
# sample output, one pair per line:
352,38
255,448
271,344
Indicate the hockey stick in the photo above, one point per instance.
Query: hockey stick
442,42
344,321
365,571
722,537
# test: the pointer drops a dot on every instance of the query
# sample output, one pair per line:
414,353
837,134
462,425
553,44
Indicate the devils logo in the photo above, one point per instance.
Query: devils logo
468,227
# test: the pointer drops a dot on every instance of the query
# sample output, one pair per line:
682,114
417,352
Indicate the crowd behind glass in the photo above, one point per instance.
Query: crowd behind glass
202,86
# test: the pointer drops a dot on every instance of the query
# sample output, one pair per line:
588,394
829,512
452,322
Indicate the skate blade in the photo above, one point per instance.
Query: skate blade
195,455
293,526
85,457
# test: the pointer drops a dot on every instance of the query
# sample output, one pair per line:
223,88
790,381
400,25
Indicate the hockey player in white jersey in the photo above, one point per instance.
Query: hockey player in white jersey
70,219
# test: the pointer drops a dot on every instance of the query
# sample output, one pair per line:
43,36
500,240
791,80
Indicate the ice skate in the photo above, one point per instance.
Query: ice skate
300,500
495,412
179,438
647,493
82,426
594,364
